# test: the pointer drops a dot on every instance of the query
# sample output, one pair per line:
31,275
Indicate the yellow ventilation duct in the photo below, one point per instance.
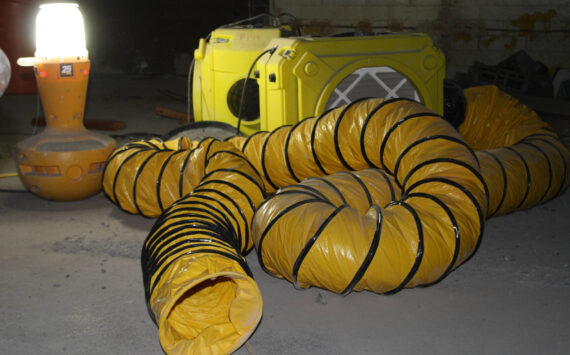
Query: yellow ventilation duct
390,196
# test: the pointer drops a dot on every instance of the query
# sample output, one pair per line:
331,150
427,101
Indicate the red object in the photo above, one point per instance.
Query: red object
43,74
17,39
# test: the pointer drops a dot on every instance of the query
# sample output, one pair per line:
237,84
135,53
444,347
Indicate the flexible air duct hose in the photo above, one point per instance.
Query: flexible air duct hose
522,159
528,157
404,242
412,218
198,286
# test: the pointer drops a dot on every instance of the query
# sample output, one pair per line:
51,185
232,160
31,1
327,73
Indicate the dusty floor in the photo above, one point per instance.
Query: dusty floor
70,279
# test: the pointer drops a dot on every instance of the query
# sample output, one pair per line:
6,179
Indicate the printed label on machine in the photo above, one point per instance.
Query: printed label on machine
65,70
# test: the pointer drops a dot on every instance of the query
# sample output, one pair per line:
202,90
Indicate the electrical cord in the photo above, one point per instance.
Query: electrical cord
270,51
276,23
8,175
249,19
190,107
294,21
37,117
191,82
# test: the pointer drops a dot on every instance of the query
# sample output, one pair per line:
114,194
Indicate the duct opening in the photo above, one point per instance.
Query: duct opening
454,103
214,306
250,105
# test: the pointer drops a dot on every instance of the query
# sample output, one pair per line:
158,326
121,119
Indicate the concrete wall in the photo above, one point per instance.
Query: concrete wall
466,30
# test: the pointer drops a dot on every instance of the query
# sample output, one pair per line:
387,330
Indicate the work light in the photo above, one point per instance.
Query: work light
64,161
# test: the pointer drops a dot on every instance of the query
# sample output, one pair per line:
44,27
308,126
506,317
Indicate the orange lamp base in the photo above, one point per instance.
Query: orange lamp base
65,162
63,168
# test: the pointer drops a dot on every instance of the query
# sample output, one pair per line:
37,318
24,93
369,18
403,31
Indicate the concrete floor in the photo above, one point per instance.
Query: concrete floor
70,279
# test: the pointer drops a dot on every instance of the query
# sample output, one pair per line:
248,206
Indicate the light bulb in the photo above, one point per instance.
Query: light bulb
60,32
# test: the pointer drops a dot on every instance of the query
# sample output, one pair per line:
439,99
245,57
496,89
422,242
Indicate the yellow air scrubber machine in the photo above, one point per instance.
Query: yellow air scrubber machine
300,77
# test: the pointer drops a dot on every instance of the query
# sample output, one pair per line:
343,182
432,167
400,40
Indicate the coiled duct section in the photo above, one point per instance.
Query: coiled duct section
522,159
391,196
198,286
360,235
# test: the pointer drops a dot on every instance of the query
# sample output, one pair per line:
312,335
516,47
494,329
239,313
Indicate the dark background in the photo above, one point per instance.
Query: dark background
134,37
150,35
